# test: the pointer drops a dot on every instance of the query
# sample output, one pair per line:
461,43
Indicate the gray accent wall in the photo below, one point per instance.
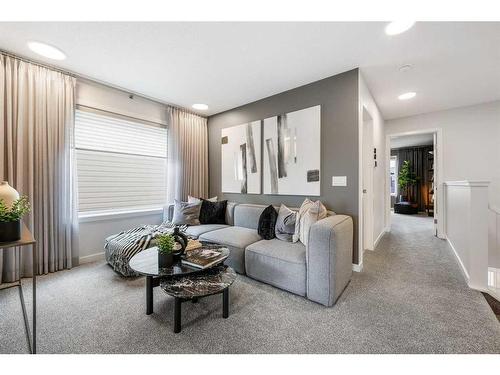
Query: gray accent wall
339,100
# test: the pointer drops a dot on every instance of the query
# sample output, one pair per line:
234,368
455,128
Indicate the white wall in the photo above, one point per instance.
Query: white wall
94,231
471,142
379,173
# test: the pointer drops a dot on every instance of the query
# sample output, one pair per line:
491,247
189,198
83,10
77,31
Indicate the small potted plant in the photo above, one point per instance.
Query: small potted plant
10,218
166,248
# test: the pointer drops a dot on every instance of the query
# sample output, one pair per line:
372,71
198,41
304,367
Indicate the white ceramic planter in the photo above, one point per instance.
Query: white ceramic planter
8,194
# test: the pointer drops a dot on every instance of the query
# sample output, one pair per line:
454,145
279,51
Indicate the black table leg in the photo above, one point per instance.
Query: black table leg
177,315
225,303
149,295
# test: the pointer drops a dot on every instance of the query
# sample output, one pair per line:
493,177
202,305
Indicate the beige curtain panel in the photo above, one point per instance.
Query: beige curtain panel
187,172
36,158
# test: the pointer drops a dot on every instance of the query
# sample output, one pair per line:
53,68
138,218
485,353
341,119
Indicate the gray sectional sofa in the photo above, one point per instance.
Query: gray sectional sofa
319,272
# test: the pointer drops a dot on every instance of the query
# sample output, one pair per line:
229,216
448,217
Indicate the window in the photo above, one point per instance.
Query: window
394,175
121,163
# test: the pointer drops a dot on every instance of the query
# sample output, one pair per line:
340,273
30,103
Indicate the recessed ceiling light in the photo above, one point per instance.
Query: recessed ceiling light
407,95
46,50
398,27
201,107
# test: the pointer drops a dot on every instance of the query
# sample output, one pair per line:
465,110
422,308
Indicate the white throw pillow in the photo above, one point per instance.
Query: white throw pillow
309,213
196,200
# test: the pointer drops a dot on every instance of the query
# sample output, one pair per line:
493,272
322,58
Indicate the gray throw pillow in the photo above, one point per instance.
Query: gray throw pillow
186,213
285,224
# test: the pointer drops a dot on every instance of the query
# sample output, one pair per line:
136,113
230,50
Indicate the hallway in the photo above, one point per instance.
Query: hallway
418,274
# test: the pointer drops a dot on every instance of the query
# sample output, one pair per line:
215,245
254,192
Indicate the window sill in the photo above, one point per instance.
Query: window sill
102,216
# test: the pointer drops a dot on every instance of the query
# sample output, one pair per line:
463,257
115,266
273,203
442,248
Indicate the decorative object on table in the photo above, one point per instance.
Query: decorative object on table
309,213
267,223
8,194
192,245
11,212
180,243
285,224
241,154
186,213
213,212
204,258
166,243
292,153
406,180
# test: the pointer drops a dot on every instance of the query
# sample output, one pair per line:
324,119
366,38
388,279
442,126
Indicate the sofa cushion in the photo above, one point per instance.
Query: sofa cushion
186,213
309,213
278,263
236,239
197,200
267,222
247,215
213,212
285,224
232,236
197,230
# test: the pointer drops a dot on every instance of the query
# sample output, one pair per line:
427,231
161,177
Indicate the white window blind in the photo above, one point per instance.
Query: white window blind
121,163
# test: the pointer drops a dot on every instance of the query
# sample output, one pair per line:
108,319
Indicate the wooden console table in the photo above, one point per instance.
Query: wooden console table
26,239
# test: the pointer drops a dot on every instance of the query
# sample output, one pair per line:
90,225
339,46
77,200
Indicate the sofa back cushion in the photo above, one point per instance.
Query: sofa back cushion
247,215
168,212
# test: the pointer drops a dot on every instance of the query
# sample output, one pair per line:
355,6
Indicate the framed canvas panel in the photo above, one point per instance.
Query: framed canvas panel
292,153
241,158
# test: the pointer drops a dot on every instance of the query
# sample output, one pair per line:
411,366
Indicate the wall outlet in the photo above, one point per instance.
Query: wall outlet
339,181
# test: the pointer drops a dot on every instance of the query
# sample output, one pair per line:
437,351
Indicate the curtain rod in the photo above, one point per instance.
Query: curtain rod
95,81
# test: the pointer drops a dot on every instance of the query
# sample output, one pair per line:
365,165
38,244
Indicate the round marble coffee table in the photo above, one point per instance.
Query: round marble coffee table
146,263
193,286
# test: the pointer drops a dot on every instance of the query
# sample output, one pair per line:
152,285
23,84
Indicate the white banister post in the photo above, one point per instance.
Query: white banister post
466,225
478,255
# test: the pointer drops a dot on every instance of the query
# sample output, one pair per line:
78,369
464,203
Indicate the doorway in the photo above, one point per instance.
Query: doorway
414,174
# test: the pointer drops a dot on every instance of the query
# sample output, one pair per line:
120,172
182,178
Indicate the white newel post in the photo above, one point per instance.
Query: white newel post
466,226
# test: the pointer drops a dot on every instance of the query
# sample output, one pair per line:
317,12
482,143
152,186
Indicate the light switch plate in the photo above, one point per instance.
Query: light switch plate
339,181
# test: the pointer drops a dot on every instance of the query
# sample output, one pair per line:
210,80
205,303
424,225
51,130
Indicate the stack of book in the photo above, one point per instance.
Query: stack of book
203,258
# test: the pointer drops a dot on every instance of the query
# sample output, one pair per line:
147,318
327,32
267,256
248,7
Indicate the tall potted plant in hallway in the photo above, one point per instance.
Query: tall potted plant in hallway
406,180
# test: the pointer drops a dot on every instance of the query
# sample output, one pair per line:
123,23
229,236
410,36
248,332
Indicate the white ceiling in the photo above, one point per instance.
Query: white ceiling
412,140
226,65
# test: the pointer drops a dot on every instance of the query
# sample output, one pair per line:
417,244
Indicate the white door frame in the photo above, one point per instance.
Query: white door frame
358,267
438,177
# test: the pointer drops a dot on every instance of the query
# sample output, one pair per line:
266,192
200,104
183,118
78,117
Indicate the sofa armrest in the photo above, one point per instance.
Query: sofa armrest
329,258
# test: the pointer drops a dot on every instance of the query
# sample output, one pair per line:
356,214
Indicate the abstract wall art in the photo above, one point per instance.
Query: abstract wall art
241,158
292,153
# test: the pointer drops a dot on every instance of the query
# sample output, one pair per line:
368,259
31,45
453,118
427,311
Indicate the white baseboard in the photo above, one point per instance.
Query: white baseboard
357,267
375,244
462,267
92,258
